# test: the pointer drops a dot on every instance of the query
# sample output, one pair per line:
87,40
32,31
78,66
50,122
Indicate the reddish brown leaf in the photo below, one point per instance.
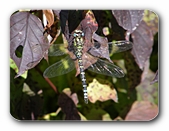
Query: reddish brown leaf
73,96
142,44
90,22
155,79
128,19
57,12
103,50
147,91
68,107
89,26
142,111
26,31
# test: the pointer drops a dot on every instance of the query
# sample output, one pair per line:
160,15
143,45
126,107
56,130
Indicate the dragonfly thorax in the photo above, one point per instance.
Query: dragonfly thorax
78,43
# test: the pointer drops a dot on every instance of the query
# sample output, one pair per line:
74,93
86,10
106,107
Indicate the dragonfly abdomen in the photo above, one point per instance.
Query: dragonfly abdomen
83,79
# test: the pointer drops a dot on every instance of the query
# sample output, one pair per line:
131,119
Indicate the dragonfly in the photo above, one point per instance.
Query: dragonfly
81,60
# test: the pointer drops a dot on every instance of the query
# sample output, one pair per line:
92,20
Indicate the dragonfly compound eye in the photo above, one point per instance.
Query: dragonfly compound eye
74,34
82,34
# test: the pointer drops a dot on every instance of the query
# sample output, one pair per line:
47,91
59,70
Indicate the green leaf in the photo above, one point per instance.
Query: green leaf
14,66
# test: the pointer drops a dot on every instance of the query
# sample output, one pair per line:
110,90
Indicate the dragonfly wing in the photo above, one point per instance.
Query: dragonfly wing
104,50
119,46
100,50
106,68
57,50
59,68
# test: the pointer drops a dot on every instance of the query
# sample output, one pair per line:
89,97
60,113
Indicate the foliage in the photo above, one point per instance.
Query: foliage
133,97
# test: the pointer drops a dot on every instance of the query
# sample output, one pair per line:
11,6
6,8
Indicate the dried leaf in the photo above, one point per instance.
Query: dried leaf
53,28
142,111
128,19
101,92
26,31
142,44
49,16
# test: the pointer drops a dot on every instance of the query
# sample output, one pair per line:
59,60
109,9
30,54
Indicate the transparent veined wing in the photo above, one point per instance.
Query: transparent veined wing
57,50
119,46
104,50
59,68
106,68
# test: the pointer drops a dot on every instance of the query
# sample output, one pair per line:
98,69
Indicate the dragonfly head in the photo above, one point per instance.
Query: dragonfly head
78,34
